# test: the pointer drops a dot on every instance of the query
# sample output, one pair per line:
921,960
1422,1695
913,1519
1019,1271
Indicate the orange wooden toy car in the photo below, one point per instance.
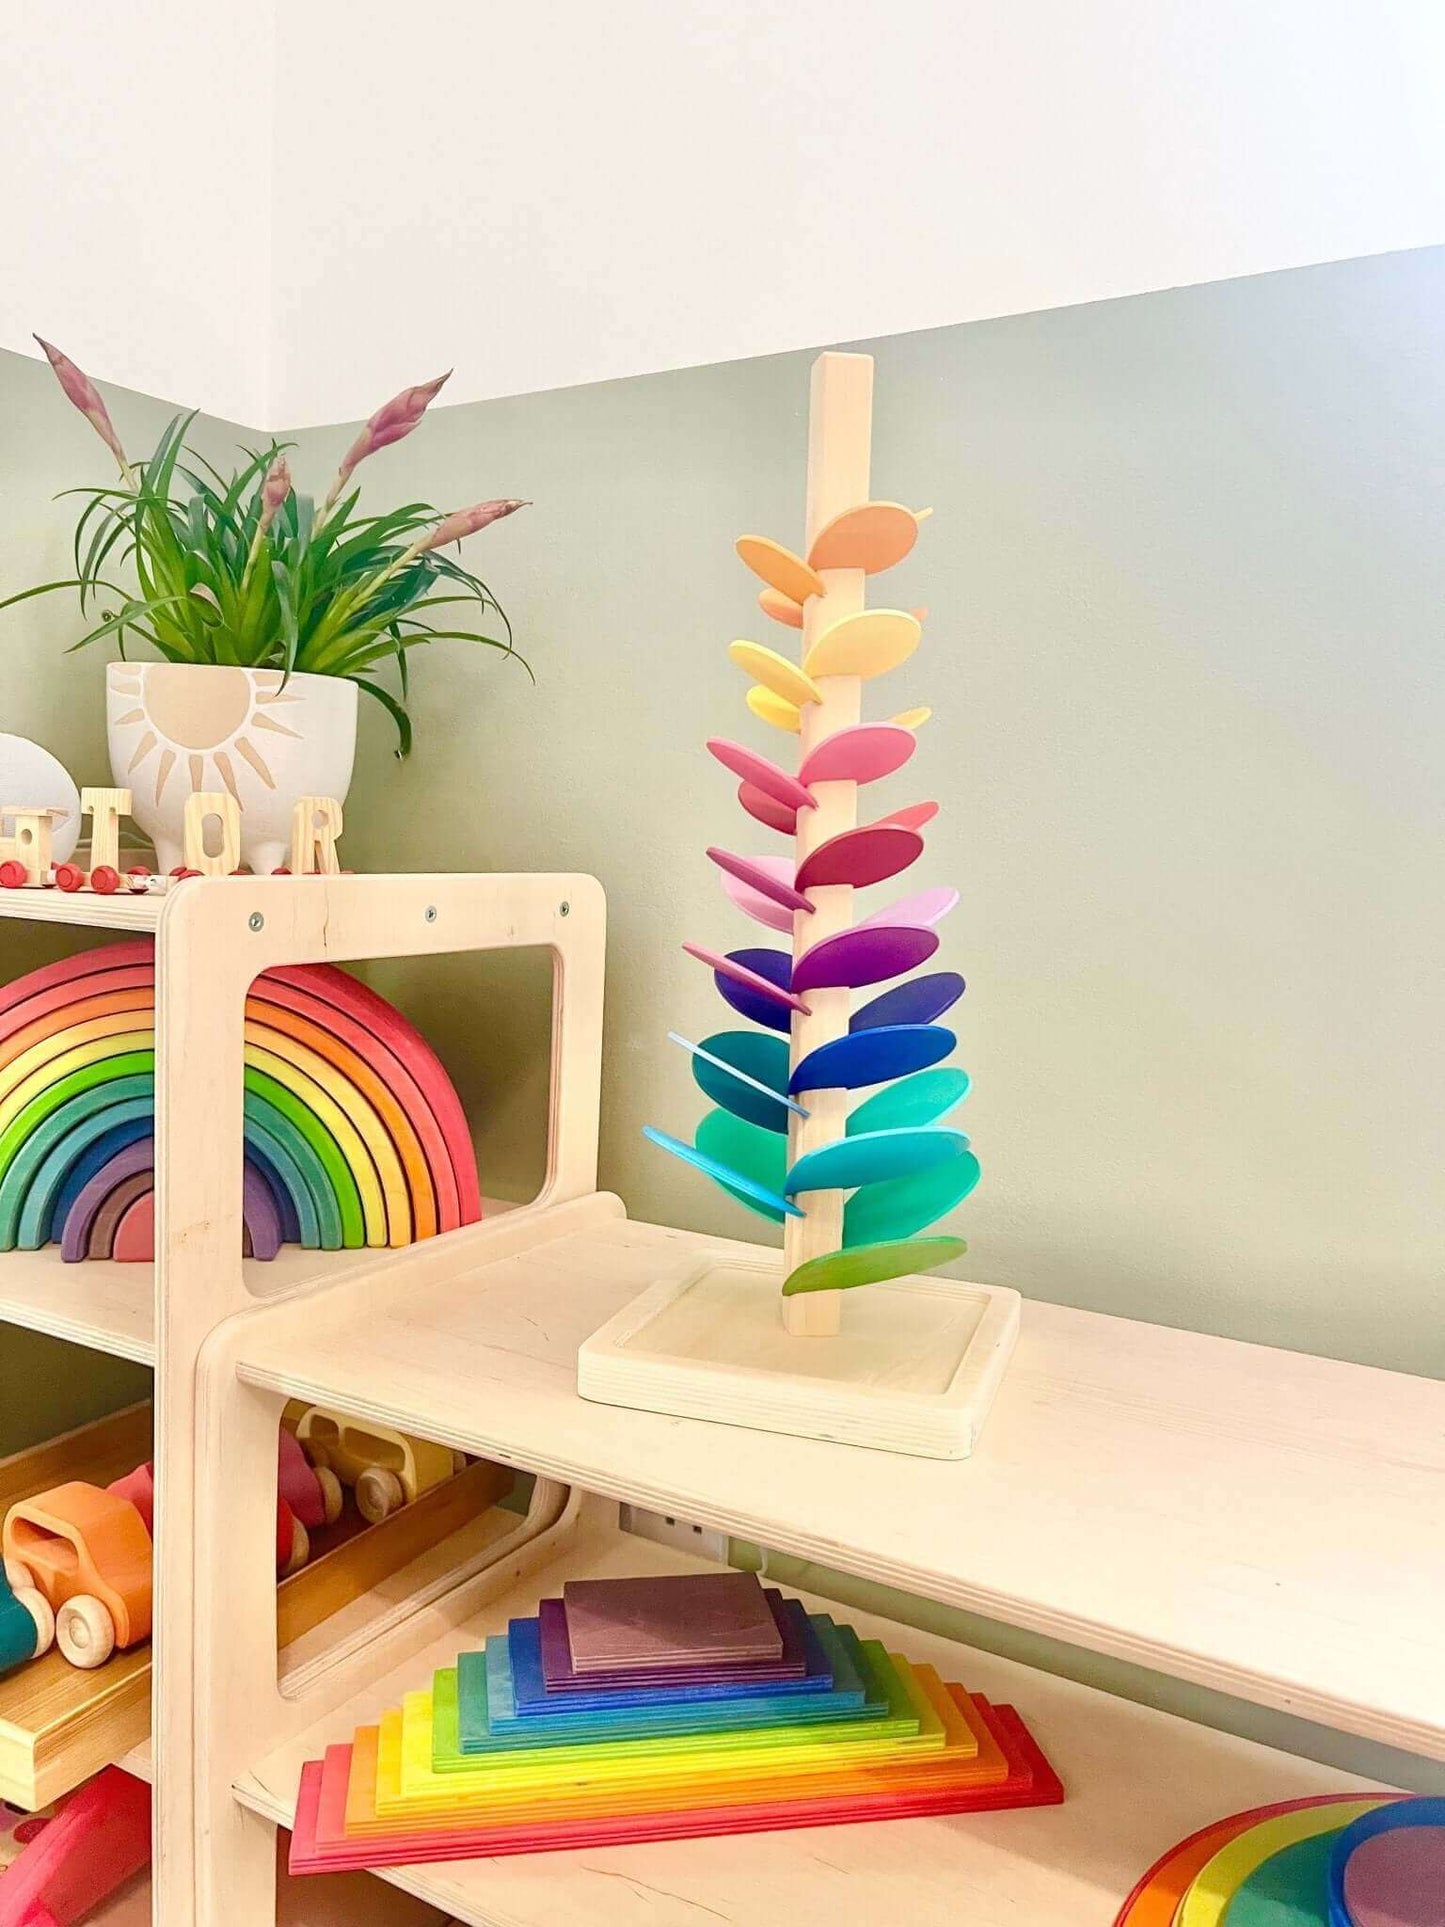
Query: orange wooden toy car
88,1553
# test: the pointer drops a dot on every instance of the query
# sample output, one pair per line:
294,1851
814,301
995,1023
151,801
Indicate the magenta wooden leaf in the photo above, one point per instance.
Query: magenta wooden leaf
862,856
729,967
859,755
763,808
769,876
762,774
865,955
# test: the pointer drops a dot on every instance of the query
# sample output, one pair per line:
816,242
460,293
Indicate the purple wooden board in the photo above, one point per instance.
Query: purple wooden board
777,967
765,809
762,774
563,1679
925,907
868,954
262,1216
872,1056
859,857
678,1620
107,1220
765,910
767,876
738,973
858,755
920,1001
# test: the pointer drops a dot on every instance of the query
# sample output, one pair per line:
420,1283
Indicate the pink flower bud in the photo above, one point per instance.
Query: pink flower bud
467,521
391,423
276,487
86,396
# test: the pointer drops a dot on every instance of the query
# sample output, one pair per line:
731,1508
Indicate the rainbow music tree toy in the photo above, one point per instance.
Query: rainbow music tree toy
835,1122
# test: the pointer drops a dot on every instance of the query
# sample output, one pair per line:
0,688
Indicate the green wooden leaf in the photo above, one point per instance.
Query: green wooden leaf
871,1264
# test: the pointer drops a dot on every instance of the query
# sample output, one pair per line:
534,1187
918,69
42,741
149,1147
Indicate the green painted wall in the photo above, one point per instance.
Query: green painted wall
1185,578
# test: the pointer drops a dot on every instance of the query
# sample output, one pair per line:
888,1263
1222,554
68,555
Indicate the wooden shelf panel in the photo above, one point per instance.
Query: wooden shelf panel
351,1900
111,1307
1137,1780
120,912
1181,1502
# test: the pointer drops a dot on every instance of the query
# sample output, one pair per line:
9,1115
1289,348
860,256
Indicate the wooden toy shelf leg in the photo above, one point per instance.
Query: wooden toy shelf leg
840,433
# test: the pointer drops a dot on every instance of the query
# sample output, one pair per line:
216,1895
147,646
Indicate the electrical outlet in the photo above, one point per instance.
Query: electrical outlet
703,1542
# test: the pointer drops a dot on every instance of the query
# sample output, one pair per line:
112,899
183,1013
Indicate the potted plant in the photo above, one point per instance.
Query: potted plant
268,613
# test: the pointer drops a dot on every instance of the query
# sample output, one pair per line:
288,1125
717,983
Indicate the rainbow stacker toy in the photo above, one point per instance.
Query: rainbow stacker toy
833,1119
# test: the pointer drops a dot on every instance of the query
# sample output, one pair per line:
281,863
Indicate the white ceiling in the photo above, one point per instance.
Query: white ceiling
285,215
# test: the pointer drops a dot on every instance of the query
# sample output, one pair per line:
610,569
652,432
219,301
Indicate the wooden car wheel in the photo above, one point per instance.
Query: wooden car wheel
38,1607
300,1550
84,1632
378,1494
19,1575
459,1463
331,1494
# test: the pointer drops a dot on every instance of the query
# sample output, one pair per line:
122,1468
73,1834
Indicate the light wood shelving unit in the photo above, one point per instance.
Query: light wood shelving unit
1240,1517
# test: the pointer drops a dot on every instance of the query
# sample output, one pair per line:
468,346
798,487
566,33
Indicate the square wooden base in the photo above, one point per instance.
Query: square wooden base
913,1370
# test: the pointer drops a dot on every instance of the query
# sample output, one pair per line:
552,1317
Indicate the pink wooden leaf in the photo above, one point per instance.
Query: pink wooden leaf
762,774
867,855
859,755
742,975
766,809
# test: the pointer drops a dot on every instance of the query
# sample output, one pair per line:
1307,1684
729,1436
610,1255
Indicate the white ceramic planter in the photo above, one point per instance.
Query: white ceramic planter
175,729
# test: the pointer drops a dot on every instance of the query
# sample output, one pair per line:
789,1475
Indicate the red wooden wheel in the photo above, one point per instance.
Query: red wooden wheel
12,875
69,877
104,880
281,871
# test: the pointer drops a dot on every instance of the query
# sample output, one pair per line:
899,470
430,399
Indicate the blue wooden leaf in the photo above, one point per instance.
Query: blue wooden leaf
872,1057
922,1000
923,1099
733,1181
874,1156
777,967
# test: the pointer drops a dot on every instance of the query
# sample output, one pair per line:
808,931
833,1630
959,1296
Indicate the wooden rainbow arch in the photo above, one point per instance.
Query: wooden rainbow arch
354,1133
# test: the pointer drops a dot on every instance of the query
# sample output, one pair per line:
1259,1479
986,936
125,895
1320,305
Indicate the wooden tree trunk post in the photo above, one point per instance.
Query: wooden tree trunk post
840,432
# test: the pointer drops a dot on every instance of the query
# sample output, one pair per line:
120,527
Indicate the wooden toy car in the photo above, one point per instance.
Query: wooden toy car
293,1542
88,1553
92,1846
27,1625
385,1469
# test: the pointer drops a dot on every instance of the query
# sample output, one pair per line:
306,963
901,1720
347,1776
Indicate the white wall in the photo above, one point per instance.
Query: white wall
560,192
136,154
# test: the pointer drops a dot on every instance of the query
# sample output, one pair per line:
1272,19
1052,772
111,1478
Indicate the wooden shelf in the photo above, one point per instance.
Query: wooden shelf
1237,1516
120,912
352,1900
111,1307
1137,1780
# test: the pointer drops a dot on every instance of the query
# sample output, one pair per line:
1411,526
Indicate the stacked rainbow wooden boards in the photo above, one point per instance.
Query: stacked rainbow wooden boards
354,1134
1372,1860
633,1710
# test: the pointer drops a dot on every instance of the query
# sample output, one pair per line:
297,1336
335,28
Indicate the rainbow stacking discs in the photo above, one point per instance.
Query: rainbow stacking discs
1387,1869
776,968
872,1264
919,1001
859,755
759,1061
1213,1889
871,1056
865,955
872,1156
733,1181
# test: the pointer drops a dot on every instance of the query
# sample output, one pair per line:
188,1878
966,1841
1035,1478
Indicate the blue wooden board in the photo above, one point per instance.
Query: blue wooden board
777,967
872,1057
922,1099
922,1000
764,1059
873,1157
900,1207
733,1181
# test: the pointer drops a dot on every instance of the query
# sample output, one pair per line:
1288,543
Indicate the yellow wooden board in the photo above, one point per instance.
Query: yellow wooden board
872,537
911,718
769,708
789,574
781,608
775,672
50,1070
867,644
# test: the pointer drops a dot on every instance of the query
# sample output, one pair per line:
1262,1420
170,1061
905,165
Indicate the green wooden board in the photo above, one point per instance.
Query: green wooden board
338,1171
73,1125
125,1064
